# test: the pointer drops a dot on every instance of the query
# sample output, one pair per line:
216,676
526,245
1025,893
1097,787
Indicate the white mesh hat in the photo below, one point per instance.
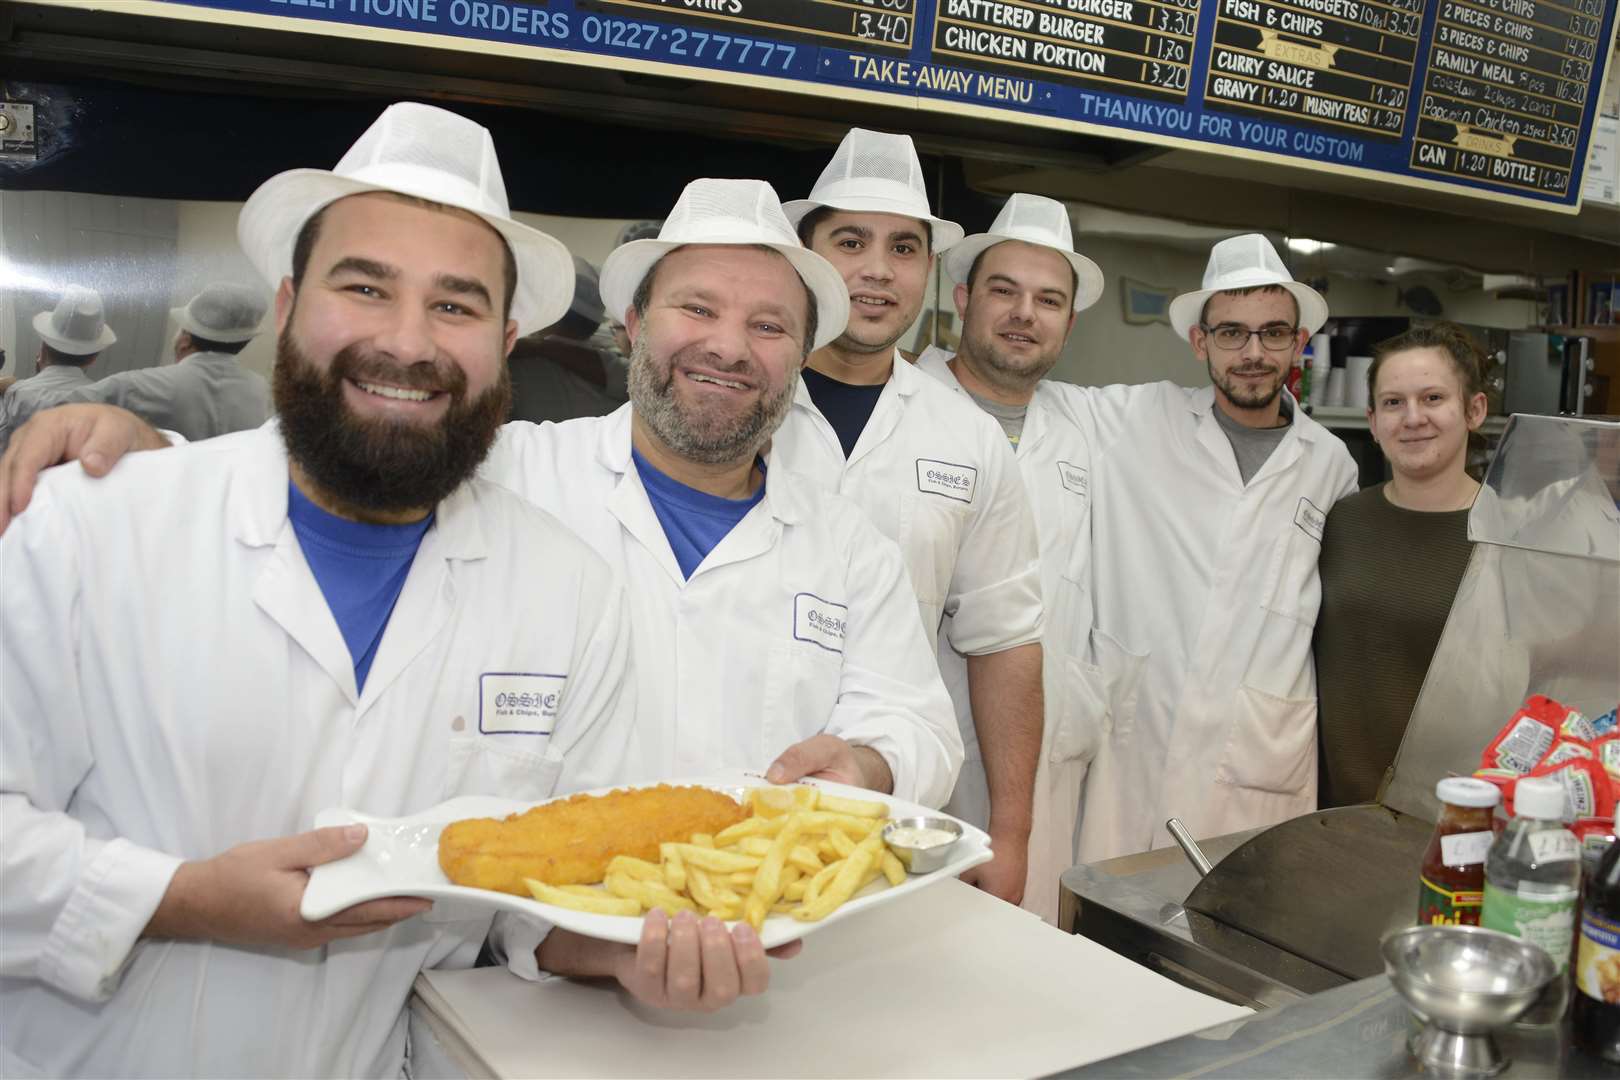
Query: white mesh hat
427,153
225,312
731,212
77,325
874,172
1034,219
1244,262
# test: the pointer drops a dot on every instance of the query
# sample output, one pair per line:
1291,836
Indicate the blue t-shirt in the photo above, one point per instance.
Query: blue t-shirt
846,407
360,568
693,520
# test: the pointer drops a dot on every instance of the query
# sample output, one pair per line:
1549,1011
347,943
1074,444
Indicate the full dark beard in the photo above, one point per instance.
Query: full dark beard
1245,397
695,435
382,465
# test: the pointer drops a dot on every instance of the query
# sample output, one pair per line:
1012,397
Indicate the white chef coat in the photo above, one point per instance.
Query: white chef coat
800,621
204,395
1205,592
935,475
173,684
1055,462
50,386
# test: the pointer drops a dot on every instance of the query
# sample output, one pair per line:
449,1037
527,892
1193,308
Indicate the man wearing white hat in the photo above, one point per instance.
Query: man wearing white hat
210,646
1019,288
1206,523
71,335
931,471
772,621
205,392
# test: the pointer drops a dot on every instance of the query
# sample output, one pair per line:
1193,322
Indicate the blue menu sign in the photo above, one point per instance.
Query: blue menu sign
1495,98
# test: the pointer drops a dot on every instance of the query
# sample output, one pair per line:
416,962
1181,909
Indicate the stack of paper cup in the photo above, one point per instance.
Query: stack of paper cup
1333,398
1321,362
1355,380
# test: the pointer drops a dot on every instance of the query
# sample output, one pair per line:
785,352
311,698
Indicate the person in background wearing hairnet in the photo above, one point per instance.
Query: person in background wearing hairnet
561,373
1207,510
71,335
1019,287
212,645
931,471
206,391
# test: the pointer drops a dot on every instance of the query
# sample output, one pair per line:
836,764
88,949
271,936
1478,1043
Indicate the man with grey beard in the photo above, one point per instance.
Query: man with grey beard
773,625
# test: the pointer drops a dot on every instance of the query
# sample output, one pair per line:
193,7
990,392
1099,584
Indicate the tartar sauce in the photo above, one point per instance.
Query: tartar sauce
911,836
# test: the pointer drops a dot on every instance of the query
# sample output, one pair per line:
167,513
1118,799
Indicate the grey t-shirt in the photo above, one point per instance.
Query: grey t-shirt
1253,446
1010,417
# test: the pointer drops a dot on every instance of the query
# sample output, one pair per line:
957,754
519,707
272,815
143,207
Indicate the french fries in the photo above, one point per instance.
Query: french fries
803,854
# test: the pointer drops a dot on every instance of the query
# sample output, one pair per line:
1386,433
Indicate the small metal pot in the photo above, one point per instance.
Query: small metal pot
923,860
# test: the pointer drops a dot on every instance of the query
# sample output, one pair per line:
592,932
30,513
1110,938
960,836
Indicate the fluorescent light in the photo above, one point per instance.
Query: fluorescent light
1301,246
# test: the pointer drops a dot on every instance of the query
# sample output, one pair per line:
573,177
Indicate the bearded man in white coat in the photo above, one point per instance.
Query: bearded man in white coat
212,645
1207,509
1019,288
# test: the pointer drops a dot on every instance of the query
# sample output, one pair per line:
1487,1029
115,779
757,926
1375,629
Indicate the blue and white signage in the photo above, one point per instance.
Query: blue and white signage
1494,97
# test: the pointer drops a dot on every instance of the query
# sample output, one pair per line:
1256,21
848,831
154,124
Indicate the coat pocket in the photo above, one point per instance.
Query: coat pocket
479,764
1272,743
1099,698
801,689
931,528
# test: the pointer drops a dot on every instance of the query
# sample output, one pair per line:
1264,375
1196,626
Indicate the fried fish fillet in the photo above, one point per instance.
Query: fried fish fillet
571,841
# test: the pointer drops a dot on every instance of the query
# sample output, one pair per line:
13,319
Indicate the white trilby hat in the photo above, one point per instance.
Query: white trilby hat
77,325
1245,262
426,153
225,313
874,172
731,212
1034,219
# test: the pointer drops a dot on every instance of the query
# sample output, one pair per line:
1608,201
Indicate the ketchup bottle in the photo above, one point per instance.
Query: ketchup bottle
1451,888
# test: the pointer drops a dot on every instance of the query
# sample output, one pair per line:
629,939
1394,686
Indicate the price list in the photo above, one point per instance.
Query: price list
1140,47
1506,91
1343,65
867,24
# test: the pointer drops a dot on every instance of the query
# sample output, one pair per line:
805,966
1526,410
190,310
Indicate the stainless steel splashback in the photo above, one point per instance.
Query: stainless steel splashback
1538,610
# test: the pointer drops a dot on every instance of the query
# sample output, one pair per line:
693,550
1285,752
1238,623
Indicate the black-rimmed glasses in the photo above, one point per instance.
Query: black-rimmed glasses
1231,336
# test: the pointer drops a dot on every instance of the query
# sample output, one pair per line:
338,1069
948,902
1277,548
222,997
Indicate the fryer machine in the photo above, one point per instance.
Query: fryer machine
1299,908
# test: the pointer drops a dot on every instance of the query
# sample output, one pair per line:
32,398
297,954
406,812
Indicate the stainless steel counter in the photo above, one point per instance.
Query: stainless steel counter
1357,1030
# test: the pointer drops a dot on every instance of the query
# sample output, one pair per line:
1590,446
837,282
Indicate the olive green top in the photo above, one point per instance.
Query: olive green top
1388,578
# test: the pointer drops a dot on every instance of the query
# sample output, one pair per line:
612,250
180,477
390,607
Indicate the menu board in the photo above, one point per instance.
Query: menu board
1505,95
1491,98
1138,46
1342,64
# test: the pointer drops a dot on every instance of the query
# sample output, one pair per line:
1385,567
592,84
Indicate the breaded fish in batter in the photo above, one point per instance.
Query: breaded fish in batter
570,842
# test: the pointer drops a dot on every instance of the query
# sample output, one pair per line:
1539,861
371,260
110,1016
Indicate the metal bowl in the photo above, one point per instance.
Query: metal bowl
1464,982
923,860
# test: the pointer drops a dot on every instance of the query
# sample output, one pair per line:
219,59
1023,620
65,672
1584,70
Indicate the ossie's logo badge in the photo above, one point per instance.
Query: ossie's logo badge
943,478
518,703
1310,518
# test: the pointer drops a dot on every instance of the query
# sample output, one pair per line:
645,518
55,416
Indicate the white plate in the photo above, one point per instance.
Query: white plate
401,858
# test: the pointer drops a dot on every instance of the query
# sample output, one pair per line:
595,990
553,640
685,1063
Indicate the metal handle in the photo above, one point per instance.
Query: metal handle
1194,853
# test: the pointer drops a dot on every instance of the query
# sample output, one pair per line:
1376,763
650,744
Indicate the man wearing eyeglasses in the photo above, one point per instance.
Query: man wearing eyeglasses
1206,523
